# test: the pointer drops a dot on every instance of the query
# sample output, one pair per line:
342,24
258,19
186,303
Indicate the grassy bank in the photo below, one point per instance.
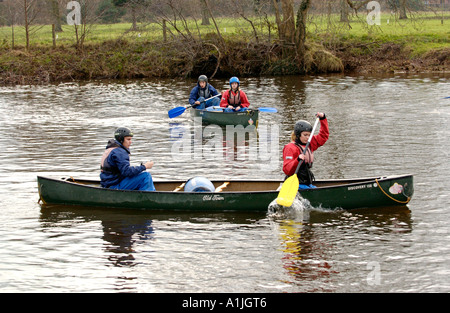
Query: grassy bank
421,44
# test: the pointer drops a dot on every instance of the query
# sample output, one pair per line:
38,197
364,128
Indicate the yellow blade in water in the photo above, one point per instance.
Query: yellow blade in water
288,191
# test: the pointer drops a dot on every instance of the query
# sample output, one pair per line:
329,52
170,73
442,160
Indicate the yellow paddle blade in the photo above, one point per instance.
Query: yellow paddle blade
288,191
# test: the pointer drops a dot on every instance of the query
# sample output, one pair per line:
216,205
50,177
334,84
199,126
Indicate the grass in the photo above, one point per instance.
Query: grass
423,32
97,33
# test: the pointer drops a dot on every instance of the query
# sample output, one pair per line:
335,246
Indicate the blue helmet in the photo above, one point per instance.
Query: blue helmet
234,79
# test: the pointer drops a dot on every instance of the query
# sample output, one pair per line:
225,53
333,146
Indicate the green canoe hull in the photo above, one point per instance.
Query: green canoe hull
245,196
220,118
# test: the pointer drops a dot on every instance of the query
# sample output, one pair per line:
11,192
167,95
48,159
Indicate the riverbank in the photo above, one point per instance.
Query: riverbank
115,51
394,58
119,59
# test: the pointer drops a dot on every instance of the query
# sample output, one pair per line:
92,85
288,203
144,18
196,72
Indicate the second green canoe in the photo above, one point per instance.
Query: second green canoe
218,117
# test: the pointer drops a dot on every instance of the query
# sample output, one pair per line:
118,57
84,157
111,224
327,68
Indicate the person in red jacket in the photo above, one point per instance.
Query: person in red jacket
293,151
234,99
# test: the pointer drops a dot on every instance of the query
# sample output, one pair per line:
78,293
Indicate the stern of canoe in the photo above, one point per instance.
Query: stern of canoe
88,193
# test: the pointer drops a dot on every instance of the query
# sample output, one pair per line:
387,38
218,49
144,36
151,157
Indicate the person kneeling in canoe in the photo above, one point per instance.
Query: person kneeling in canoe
203,90
293,151
116,172
234,99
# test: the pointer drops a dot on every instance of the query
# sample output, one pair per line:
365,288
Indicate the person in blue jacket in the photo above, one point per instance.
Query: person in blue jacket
116,172
203,90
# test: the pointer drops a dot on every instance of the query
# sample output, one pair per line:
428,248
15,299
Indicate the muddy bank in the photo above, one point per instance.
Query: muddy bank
392,58
122,59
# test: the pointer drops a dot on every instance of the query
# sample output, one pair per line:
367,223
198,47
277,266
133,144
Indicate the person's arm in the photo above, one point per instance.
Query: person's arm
320,139
148,165
290,159
224,100
122,161
244,100
193,95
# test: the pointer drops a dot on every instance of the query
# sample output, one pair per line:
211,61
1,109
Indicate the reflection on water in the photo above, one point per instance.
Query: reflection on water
378,126
174,244
305,257
312,252
239,146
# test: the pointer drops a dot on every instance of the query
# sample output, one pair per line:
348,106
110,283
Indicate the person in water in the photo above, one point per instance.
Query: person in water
202,91
234,99
116,172
293,151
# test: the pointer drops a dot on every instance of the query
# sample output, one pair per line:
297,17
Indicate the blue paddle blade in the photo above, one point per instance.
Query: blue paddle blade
268,110
447,98
176,112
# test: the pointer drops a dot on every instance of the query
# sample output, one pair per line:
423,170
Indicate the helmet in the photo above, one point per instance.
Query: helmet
302,126
202,78
121,133
234,79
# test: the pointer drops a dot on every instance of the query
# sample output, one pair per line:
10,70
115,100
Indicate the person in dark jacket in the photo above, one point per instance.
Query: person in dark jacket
203,90
116,172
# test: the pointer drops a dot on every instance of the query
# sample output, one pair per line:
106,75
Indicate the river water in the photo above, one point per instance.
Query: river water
379,126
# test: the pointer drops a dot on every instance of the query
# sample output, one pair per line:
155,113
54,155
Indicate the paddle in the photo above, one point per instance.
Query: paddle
289,189
268,110
180,110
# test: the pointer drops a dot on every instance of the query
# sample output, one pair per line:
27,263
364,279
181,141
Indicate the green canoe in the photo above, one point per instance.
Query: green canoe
238,195
218,117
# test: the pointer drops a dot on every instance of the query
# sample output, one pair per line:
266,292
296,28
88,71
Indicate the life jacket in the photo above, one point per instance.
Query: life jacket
234,100
203,92
305,175
104,165
309,155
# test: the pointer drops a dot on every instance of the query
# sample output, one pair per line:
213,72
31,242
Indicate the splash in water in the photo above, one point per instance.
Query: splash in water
299,210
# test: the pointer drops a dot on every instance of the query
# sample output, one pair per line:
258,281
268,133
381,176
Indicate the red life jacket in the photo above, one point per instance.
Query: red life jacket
234,100
309,155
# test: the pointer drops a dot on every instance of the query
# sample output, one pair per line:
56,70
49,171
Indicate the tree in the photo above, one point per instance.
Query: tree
291,32
55,14
403,10
30,9
204,11
300,33
82,15
109,12
133,5
400,7
10,9
284,16
344,10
